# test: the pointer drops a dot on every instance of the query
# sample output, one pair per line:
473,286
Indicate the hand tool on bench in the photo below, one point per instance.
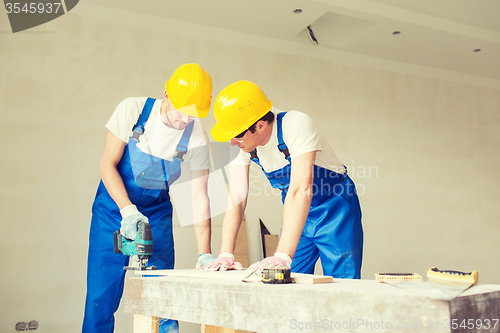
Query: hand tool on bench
441,284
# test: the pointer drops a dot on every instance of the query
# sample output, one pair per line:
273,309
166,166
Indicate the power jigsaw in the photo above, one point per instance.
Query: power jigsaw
139,249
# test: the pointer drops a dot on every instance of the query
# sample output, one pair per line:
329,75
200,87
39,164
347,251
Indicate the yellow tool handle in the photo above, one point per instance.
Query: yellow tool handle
437,275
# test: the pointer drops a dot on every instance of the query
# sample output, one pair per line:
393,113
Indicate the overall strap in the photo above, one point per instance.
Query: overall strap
281,143
182,147
254,157
138,128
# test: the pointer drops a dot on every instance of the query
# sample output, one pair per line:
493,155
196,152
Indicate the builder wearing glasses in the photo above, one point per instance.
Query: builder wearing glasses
322,216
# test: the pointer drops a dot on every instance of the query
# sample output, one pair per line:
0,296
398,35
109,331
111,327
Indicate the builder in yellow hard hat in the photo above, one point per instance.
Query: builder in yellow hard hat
322,216
147,141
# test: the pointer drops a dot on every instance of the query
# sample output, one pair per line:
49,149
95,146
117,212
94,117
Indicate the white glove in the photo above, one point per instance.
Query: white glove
204,259
130,217
279,260
224,262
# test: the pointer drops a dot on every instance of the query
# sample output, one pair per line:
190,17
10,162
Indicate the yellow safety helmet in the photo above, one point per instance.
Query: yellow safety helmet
236,108
190,90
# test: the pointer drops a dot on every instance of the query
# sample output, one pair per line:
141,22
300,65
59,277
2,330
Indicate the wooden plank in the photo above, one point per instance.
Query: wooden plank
216,329
145,324
270,244
241,245
298,278
310,279
194,273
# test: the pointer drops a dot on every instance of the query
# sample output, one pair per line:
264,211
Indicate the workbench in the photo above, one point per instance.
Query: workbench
345,305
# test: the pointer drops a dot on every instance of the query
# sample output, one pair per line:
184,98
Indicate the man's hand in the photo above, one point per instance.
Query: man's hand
204,259
224,262
130,217
279,260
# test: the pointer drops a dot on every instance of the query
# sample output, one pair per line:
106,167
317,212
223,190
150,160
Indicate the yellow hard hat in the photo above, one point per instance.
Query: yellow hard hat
190,90
236,108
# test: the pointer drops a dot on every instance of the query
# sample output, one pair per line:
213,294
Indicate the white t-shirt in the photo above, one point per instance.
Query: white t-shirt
301,136
158,140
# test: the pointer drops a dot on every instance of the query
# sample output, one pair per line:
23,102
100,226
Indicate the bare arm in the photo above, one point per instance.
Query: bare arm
201,210
297,202
237,201
113,152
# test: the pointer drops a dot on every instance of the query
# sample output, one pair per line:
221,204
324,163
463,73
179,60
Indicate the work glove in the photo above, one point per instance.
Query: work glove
224,262
279,260
204,259
130,217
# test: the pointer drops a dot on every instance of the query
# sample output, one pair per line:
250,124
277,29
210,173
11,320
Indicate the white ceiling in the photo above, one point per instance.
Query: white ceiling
434,33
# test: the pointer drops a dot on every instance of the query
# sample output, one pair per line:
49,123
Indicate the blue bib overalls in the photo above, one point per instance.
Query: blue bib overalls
146,179
333,228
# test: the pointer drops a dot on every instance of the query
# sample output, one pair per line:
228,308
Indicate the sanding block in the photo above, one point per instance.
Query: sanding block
435,275
398,277
441,284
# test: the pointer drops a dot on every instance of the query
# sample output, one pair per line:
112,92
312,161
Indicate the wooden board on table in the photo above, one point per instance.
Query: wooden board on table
310,278
232,275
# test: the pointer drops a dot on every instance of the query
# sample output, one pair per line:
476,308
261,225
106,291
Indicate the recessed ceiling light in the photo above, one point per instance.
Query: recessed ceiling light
297,10
396,32
477,50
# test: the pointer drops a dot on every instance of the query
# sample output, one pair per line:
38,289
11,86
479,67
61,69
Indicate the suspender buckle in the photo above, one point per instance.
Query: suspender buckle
284,149
253,155
181,150
137,131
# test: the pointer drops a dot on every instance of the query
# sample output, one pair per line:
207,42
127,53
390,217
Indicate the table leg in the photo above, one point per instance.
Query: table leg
145,324
216,329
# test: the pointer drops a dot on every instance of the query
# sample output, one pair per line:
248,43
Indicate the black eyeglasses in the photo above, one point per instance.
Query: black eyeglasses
239,136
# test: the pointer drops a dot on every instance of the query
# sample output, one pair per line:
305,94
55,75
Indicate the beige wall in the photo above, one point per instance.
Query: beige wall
421,144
